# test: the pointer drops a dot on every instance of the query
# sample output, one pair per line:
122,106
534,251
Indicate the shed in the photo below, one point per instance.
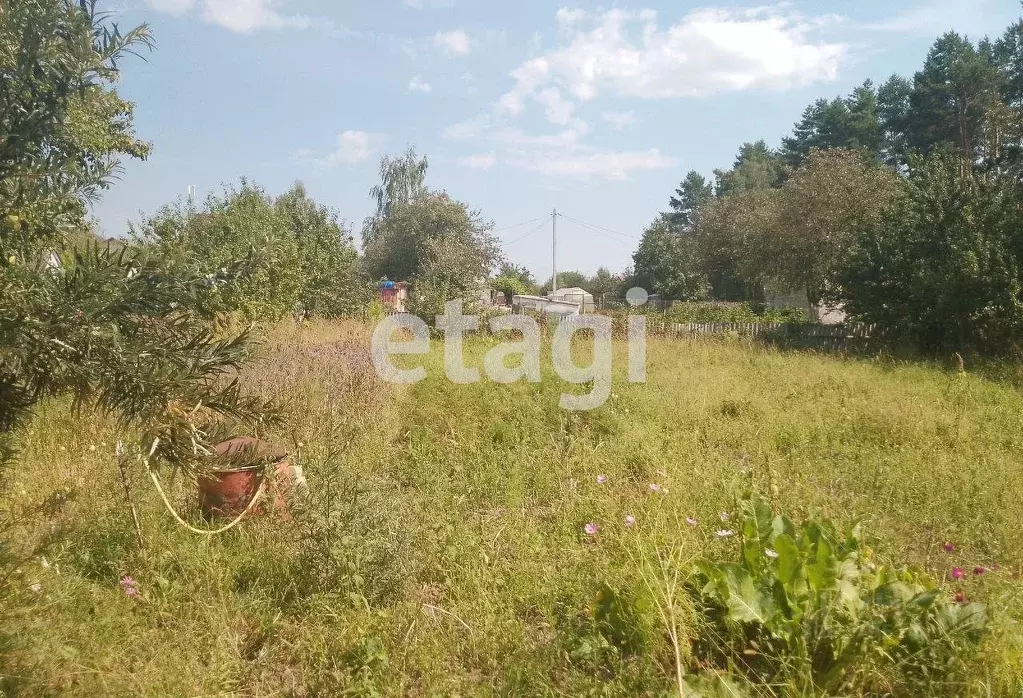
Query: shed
394,294
574,294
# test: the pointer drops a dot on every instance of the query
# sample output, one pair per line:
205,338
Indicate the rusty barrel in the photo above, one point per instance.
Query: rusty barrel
241,463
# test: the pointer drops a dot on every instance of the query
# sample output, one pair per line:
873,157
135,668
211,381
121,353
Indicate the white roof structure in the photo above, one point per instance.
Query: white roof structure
549,306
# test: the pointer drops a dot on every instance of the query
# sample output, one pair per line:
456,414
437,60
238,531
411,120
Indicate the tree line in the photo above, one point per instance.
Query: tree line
899,202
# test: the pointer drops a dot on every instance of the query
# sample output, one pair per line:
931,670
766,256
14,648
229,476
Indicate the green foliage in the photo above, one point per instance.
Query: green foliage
445,250
304,260
239,223
443,526
943,268
851,123
693,192
756,167
115,331
820,210
332,284
710,312
402,181
62,124
667,262
509,285
521,273
953,95
604,284
965,101
810,608
732,240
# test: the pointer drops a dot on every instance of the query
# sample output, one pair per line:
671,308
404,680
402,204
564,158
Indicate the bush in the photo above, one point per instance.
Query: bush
306,261
731,312
807,607
943,269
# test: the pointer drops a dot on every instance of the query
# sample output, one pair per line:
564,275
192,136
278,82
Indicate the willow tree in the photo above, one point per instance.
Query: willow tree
402,181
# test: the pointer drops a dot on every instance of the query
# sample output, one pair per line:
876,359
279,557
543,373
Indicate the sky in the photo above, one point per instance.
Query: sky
522,107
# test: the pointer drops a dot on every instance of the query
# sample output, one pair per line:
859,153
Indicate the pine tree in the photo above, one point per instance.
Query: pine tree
692,193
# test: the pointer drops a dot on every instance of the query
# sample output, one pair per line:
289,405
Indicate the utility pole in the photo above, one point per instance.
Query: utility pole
554,250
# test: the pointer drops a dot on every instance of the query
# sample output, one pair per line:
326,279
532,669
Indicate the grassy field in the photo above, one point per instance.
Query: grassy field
443,548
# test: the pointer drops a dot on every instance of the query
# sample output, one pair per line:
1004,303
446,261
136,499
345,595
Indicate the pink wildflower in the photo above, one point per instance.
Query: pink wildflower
957,573
130,586
630,520
601,479
591,529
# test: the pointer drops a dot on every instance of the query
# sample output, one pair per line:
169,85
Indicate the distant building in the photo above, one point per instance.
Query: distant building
824,314
547,306
574,294
394,294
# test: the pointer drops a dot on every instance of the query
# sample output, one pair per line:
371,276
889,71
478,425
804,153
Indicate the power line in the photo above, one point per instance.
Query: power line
600,229
519,225
535,230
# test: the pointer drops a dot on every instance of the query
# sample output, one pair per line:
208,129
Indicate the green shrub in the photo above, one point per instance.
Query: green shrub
709,312
807,607
943,269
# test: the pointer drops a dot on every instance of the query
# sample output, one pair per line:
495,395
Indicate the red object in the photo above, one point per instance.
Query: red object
228,491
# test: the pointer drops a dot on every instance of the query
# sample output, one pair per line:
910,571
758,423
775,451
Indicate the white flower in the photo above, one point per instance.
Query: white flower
36,588
45,563
771,554
724,533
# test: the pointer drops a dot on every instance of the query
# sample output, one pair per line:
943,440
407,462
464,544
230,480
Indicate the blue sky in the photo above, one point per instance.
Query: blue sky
596,109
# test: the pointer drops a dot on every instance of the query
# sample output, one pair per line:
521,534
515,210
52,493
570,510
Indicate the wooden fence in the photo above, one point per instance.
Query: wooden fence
836,337
794,334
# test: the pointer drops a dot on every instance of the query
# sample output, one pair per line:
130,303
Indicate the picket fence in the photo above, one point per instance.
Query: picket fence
799,334
856,334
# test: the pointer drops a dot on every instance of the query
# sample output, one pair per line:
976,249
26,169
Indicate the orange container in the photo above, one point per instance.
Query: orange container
227,491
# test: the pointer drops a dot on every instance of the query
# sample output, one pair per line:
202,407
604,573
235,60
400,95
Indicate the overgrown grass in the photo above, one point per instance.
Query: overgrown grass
442,549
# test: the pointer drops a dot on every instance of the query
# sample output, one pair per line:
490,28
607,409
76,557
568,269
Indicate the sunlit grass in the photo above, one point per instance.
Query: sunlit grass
444,549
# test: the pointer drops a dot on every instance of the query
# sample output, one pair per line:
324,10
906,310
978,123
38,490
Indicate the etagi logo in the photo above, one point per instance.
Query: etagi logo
454,325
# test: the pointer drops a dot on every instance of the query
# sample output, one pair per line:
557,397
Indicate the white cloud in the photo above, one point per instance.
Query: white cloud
621,54
568,17
453,43
558,154
422,4
559,110
417,84
619,119
608,164
174,7
240,16
939,16
479,161
485,129
707,52
352,147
